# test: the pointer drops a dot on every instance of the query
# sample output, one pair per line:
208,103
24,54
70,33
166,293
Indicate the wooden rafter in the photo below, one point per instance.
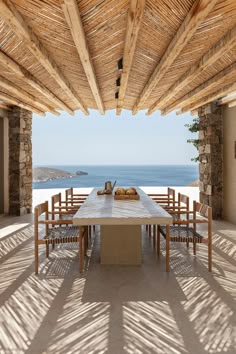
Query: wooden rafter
32,81
195,17
20,103
232,103
225,90
72,15
4,106
228,99
27,97
135,15
203,89
32,42
215,53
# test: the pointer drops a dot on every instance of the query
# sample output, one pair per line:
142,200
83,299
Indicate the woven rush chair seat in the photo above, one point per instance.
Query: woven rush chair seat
182,234
62,234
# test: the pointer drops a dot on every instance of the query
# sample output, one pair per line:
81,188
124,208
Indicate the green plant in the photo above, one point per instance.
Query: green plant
194,128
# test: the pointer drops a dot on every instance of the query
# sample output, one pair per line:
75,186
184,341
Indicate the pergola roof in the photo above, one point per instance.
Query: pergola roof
63,54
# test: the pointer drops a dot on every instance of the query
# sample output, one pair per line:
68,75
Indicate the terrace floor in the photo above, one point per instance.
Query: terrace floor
115,309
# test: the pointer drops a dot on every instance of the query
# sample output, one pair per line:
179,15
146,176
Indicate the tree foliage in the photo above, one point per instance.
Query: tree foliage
194,128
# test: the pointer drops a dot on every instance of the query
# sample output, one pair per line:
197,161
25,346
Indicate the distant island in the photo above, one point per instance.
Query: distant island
79,173
194,184
44,174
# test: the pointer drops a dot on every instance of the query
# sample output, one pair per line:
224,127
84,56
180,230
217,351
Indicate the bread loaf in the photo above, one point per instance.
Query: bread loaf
120,191
130,191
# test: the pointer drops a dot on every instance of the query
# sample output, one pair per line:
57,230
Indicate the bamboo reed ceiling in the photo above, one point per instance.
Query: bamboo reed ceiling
62,54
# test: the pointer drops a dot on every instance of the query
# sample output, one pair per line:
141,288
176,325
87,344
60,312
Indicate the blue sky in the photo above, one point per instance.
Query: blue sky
111,139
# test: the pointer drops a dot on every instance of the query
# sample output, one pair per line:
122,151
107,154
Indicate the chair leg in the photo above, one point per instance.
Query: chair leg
158,241
147,228
36,259
167,248
85,242
94,228
149,231
81,249
47,250
194,248
209,257
154,236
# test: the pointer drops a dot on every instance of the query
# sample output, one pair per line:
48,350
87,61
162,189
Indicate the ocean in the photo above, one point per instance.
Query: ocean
158,175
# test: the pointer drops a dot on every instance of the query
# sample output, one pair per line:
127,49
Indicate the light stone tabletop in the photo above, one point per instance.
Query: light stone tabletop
104,210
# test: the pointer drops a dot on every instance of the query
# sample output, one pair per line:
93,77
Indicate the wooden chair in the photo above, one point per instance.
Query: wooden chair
166,200
73,199
62,210
57,232
182,231
177,209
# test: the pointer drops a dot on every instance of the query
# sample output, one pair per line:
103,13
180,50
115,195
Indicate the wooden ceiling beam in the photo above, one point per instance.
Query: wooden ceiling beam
72,15
32,81
135,15
27,97
227,99
15,101
215,53
223,91
14,19
192,21
202,90
232,104
4,106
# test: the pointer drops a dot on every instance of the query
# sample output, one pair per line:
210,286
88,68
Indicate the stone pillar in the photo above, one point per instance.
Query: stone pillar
211,157
20,161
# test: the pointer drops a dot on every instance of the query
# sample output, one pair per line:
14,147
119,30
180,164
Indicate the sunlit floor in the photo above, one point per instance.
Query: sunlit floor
116,309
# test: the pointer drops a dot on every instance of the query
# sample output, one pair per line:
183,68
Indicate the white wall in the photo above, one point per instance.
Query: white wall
229,163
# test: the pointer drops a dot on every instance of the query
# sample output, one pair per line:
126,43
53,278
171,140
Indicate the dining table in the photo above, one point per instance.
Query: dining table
121,224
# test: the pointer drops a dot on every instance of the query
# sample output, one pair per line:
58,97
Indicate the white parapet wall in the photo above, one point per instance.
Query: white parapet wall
40,195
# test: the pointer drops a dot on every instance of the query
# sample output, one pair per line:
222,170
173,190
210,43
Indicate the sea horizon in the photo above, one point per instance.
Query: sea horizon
124,175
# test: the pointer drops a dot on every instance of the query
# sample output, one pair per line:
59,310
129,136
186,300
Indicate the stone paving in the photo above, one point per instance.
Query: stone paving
115,309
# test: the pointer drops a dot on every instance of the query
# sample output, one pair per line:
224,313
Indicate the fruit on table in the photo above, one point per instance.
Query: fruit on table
120,191
131,191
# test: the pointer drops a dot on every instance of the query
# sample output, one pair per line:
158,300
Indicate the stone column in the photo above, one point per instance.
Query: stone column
20,161
211,157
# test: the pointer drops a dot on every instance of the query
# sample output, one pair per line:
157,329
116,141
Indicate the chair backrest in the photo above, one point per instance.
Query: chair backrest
183,204
204,211
69,193
183,199
55,201
171,196
39,210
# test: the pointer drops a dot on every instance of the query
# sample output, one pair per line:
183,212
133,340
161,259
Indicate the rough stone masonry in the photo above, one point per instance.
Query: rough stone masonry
20,161
211,157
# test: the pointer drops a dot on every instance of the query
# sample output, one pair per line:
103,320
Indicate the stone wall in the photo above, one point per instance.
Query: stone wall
20,161
211,157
